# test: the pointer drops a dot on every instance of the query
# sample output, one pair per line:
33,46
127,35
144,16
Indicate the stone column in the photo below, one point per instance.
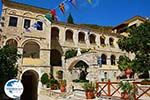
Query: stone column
20,63
109,59
75,37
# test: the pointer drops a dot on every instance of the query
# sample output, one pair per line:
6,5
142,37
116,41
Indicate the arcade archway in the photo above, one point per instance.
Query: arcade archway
30,83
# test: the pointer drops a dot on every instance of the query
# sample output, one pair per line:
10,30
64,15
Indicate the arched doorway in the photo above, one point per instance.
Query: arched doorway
78,70
30,83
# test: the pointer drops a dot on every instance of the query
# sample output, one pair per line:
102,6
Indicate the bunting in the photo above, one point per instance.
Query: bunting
53,12
62,8
51,16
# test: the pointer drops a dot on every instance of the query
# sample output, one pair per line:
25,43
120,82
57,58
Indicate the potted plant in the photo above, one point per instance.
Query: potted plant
127,89
59,74
128,72
62,85
125,64
44,79
89,90
53,83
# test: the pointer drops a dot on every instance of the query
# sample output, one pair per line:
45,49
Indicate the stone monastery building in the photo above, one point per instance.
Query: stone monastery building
44,48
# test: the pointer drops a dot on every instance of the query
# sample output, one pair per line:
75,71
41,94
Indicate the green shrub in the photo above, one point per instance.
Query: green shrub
126,87
44,78
53,84
89,86
80,81
70,53
85,51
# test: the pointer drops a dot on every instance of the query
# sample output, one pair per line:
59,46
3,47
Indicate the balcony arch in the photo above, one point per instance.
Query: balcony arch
81,37
69,35
102,40
54,33
92,38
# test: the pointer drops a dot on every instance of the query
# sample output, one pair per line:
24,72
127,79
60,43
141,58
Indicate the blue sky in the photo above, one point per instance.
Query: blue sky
100,12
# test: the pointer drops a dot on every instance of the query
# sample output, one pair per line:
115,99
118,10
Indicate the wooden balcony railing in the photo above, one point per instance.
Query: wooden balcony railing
112,89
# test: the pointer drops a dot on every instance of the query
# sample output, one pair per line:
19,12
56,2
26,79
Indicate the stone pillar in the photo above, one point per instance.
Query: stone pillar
87,39
63,64
20,62
62,35
75,37
109,59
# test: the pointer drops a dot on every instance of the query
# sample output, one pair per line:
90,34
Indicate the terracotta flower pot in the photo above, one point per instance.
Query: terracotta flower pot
128,72
62,88
124,96
89,95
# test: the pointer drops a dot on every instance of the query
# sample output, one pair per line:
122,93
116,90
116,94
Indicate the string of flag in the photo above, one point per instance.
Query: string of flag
52,15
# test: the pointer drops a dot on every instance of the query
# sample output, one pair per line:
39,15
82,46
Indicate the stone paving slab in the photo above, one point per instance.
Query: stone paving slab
72,97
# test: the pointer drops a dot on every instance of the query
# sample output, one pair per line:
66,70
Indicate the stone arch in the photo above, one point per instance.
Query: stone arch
39,16
31,49
33,40
69,35
81,37
78,69
30,82
12,42
113,59
104,59
55,57
13,12
92,38
75,62
27,14
55,33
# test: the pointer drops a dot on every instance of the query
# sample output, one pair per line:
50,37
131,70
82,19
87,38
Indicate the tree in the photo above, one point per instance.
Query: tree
124,63
8,67
138,42
70,19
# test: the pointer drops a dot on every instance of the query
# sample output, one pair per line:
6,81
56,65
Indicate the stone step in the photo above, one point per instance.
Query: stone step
79,94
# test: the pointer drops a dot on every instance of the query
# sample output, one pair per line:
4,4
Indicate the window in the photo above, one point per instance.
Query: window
13,21
113,58
104,59
39,25
26,23
105,75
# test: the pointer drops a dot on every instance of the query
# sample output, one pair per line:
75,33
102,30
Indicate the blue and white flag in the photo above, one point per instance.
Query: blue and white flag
36,25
